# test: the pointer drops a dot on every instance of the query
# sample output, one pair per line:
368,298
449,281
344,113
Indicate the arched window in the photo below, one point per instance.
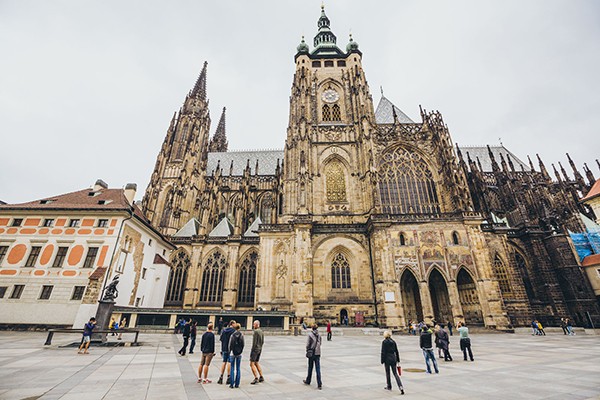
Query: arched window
522,267
402,239
336,115
335,181
326,111
266,208
455,238
213,276
406,184
247,282
502,276
340,272
177,279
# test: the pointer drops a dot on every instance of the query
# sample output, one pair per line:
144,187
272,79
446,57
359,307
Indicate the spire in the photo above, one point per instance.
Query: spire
543,168
576,174
589,174
200,86
218,143
564,172
495,166
558,178
530,163
325,40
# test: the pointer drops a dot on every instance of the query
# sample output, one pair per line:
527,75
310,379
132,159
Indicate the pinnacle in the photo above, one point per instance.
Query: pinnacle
200,86
218,142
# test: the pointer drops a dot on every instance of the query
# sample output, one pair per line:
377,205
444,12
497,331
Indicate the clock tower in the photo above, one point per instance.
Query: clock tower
328,147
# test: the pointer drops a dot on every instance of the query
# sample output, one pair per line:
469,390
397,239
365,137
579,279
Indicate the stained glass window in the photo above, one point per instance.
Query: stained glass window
213,278
177,279
340,272
406,184
247,281
502,276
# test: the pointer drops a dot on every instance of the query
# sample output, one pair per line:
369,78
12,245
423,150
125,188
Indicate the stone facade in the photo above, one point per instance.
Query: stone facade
364,214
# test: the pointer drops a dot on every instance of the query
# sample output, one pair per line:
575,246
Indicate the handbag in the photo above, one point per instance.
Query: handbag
399,368
311,351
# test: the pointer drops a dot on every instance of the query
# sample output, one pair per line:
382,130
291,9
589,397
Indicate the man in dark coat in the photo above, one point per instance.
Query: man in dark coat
313,353
426,345
186,336
225,336
443,342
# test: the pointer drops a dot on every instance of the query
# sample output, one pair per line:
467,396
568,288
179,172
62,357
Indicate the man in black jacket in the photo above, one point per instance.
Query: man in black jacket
186,336
207,347
225,335
427,347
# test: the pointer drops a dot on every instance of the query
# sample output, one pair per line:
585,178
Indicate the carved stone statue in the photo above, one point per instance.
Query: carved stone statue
111,292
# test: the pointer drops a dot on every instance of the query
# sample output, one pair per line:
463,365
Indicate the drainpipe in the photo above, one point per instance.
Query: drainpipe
373,279
114,250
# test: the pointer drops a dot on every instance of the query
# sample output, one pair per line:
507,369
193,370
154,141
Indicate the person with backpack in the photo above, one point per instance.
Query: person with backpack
427,347
390,357
87,336
236,347
313,353
225,336
207,347
186,337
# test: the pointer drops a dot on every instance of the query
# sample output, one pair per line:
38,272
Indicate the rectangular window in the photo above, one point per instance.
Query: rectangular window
341,63
90,257
102,223
46,292
3,291
149,242
316,64
17,222
61,254
48,222
144,273
78,292
137,302
3,251
17,291
329,63
33,256
74,223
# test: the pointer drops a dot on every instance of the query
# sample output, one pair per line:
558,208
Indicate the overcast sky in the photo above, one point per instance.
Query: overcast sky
88,88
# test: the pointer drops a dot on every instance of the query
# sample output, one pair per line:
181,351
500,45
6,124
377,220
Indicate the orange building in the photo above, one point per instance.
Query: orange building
57,253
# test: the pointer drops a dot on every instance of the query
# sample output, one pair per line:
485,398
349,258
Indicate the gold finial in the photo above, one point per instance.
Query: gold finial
322,5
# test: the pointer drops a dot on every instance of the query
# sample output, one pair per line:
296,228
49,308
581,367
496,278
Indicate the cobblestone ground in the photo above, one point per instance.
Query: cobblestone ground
506,367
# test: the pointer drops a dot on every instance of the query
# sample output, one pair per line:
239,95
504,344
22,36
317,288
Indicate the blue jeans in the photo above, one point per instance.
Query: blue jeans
316,361
428,354
235,362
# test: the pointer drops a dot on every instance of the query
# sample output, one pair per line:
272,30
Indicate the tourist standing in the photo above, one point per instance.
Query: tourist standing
111,326
258,338
186,337
193,333
220,325
465,341
313,353
87,336
563,325
443,342
540,328
570,327
207,347
122,325
328,331
236,347
390,358
427,347
450,326
225,336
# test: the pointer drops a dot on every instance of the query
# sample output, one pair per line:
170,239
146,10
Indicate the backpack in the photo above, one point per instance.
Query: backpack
237,346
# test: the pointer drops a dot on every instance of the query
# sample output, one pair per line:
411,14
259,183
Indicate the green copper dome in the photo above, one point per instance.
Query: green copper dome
302,47
352,45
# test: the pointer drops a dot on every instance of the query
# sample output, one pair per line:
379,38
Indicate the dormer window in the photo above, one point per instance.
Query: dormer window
93,194
46,201
104,202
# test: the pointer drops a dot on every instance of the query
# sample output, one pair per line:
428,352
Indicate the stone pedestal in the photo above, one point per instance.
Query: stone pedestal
103,314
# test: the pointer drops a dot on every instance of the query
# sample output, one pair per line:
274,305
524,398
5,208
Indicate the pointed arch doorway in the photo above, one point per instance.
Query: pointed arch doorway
411,297
469,299
442,309
343,316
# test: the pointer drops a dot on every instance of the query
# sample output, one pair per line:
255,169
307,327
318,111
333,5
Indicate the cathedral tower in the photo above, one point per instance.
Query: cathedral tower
172,195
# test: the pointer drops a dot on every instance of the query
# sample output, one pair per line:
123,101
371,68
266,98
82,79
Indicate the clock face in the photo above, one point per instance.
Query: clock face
330,96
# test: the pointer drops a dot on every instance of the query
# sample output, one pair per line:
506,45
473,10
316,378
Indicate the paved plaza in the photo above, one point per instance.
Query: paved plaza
507,366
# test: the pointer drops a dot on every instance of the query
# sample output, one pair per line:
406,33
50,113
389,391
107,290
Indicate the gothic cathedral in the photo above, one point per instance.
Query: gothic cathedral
365,214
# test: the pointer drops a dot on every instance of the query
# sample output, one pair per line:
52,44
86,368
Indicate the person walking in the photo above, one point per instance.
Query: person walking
427,347
88,328
540,328
220,325
450,326
186,337
563,325
207,347
438,346
390,358
570,327
193,333
534,327
443,342
313,353
225,336
258,338
329,331
111,326
236,347
465,340
122,325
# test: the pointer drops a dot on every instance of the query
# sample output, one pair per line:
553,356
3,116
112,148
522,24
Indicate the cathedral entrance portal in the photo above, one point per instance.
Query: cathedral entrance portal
442,311
343,316
411,299
469,300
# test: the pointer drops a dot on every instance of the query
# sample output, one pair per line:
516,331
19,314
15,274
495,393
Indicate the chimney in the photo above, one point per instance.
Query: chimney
99,185
130,190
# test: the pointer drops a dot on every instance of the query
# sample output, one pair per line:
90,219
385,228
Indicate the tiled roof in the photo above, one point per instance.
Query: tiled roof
267,161
481,152
594,191
87,199
158,259
593,259
384,113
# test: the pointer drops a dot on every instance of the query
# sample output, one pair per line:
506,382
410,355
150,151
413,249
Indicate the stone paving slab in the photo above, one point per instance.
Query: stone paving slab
506,367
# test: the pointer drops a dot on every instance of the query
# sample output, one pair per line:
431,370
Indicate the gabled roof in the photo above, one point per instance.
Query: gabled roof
384,114
189,229
267,162
594,192
482,153
252,230
158,259
87,199
223,229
